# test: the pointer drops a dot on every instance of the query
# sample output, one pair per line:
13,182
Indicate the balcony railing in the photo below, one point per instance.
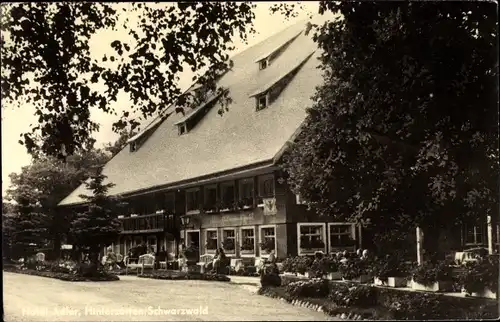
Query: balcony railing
144,223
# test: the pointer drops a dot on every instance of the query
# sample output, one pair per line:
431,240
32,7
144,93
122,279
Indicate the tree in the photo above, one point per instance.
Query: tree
99,226
46,61
403,132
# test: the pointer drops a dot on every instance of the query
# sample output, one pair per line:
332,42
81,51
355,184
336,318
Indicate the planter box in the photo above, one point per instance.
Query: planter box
486,293
247,252
360,279
435,287
334,276
391,282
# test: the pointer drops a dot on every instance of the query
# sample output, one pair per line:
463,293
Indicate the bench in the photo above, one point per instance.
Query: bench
145,261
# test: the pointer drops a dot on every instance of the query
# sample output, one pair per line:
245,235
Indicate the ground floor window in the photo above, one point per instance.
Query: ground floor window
229,240
211,242
341,236
474,235
248,240
268,239
311,237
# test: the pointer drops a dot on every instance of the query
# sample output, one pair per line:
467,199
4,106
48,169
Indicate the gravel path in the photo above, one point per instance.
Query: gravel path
32,298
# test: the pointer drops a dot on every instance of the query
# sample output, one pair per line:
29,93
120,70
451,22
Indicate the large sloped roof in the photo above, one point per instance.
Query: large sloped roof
239,138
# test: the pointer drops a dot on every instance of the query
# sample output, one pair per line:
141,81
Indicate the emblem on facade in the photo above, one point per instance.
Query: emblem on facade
270,206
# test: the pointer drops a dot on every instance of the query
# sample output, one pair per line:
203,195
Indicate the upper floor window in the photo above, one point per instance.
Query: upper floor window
192,200
210,194
266,186
227,196
246,192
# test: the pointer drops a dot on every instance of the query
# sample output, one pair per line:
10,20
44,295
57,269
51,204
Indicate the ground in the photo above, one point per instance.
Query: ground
33,298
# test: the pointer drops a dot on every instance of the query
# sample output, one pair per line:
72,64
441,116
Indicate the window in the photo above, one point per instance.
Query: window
182,128
341,236
133,146
266,187
229,240
474,235
210,195
192,200
263,64
227,196
261,102
246,193
311,237
267,239
247,240
211,244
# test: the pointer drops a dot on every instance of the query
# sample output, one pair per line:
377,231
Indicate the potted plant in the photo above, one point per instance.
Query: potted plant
245,203
248,246
228,245
211,244
333,268
356,270
480,279
225,206
209,208
432,277
390,271
267,245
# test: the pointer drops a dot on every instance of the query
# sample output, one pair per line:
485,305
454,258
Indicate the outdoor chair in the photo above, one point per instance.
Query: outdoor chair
145,261
130,265
204,260
40,257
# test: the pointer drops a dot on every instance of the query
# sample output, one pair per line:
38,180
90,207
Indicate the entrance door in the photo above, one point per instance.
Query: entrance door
193,239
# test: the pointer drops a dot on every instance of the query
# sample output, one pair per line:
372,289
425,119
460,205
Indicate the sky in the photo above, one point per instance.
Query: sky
16,121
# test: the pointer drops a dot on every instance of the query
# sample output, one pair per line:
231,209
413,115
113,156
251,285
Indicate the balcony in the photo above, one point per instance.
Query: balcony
144,224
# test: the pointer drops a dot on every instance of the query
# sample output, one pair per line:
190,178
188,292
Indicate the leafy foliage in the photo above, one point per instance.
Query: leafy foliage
390,266
481,274
403,132
429,273
356,267
46,61
99,226
310,288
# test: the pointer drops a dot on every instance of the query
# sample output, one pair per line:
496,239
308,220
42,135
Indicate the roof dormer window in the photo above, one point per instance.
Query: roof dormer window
182,128
133,146
262,101
263,64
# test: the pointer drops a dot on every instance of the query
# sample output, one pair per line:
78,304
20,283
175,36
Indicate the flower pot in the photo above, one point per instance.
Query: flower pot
391,282
359,279
485,293
334,276
439,286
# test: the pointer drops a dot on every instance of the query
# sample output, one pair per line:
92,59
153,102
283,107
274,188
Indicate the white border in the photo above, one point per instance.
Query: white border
240,242
353,232
205,240
325,241
275,240
222,240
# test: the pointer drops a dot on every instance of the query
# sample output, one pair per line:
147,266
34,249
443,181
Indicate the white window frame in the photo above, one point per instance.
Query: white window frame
192,212
320,224
233,229
205,188
475,229
254,241
240,197
331,224
211,251
261,239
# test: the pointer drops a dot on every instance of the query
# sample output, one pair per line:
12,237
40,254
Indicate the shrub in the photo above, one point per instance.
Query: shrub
353,295
355,267
390,267
480,275
429,273
313,288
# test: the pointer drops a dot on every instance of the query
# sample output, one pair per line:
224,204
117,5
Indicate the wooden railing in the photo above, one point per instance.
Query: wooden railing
144,223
